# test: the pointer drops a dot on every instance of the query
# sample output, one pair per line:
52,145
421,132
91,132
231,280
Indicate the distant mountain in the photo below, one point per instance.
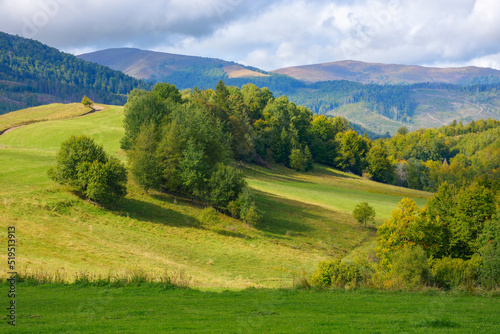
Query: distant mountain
183,71
32,74
389,74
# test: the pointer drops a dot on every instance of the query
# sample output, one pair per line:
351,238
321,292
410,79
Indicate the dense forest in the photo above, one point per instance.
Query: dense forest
255,126
32,73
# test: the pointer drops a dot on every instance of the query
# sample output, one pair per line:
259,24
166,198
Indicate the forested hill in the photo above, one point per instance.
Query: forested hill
189,71
32,74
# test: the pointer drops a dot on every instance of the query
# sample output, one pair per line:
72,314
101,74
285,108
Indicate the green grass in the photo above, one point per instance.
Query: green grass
61,236
153,309
41,113
333,190
307,218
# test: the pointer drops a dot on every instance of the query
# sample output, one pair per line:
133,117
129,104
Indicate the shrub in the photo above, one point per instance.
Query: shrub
410,267
225,185
208,217
449,273
248,211
84,165
336,273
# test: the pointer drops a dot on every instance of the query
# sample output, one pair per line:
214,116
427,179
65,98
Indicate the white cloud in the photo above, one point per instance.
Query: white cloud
273,34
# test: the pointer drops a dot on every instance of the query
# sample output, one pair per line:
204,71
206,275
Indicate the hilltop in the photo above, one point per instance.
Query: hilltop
33,74
183,71
362,72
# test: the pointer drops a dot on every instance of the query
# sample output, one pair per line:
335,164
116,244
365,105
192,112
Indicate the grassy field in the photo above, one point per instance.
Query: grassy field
153,309
154,236
307,218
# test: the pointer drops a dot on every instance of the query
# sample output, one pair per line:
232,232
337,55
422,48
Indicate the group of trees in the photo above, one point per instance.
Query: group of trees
393,101
457,153
453,242
456,236
186,147
185,142
250,124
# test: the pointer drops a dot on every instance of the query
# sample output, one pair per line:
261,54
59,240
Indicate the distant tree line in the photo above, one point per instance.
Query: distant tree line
457,154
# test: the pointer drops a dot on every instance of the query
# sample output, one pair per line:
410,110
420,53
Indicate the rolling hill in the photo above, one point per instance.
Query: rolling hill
180,70
361,72
307,216
158,66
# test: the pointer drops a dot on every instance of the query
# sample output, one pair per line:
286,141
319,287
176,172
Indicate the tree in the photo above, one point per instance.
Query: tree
84,165
143,160
194,170
405,228
87,102
301,160
352,151
364,213
379,165
225,185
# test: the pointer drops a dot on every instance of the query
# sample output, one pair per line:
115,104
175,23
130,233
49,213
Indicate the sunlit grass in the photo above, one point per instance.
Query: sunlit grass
307,218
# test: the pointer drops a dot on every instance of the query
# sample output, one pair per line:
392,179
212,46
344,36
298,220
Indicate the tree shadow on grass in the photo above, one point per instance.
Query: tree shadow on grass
282,216
150,212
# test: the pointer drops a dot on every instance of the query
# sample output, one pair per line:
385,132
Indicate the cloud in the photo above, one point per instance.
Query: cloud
271,34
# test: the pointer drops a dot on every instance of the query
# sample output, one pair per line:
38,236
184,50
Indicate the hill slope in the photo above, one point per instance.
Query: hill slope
307,218
32,74
159,66
385,73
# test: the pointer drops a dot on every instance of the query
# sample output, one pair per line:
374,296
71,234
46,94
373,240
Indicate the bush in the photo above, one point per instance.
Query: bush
449,273
410,267
336,273
208,217
248,211
225,184
84,165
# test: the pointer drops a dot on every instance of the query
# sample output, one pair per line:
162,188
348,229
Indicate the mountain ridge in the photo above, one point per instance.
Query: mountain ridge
154,65
380,73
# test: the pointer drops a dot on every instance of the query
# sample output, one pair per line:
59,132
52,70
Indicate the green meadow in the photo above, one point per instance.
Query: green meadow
156,309
307,217
239,278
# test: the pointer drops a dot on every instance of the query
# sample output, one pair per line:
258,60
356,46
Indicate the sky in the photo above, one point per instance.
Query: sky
270,34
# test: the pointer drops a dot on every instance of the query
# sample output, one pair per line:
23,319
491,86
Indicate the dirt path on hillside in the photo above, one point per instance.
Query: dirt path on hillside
94,110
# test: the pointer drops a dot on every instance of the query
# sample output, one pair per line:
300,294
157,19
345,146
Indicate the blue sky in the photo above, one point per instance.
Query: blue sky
270,34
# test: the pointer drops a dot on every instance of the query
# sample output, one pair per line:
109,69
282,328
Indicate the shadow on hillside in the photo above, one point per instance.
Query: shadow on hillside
282,216
145,211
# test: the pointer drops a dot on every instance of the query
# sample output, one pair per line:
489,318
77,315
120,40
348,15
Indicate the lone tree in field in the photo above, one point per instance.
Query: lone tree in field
364,213
87,102
84,165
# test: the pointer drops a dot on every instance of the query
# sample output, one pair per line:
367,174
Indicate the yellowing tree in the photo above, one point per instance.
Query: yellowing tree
405,227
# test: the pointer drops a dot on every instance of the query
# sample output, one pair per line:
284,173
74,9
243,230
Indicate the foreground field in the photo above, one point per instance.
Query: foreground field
72,309
307,218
